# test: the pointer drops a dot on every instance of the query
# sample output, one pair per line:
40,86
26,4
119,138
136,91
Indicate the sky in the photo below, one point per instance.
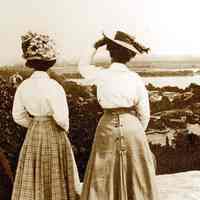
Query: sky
167,27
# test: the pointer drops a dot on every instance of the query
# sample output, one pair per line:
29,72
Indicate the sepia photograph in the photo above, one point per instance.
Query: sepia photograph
100,100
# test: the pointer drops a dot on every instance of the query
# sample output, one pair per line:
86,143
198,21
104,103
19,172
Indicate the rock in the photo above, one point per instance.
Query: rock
171,89
159,103
179,186
155,96
193,119
153,131
187,186
171,95
177,118
195,107
193,88
182,100
176,123
176,114
156,123
150,87
194,128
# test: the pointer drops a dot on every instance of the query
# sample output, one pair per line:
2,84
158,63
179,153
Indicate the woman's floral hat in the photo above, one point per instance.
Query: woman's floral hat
38,46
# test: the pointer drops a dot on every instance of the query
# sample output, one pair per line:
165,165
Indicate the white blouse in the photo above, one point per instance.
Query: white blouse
117,86
40,96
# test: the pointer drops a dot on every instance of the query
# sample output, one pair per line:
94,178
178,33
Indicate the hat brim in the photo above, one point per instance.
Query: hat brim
121,43
38,58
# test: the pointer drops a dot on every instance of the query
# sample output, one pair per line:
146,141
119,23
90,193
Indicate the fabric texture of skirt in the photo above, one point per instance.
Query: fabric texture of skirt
46,167
121,164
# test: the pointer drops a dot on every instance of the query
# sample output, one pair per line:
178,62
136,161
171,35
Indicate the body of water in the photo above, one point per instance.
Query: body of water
179,81
173,75
161,81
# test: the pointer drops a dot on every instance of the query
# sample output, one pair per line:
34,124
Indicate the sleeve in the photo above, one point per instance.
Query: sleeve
86,69
59,106
143,107
19,113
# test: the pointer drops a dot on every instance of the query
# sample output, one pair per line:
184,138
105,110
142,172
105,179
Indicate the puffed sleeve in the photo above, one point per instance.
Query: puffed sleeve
19,113
58,103
86,69
143,107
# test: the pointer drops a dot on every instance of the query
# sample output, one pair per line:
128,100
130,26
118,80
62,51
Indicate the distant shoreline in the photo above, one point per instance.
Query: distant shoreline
72,71
144,72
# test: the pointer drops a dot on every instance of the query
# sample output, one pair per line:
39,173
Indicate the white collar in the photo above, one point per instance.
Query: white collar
39,74
119,67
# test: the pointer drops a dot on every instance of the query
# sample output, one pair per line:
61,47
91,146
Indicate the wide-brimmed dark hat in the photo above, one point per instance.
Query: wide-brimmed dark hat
36,46
125,40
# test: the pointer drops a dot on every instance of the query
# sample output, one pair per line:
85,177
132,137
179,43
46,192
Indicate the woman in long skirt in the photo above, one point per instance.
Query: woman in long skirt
46,167
121,164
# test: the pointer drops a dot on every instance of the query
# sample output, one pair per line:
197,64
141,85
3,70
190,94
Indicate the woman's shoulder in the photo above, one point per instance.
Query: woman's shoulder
56,85
139,82
23,84
49,84
135,75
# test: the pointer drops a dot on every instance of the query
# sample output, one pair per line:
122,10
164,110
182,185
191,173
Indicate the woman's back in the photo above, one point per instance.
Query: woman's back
40,96
36,93
117,86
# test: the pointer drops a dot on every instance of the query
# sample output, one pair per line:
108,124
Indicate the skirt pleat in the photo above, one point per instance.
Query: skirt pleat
121,165
46,167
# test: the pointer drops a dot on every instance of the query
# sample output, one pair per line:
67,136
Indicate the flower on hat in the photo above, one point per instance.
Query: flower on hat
38,46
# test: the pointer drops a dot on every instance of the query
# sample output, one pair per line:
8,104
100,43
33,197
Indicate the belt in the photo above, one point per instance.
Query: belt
121,110
42,118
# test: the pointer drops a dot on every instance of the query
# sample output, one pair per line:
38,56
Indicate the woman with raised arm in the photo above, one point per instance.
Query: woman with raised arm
121,164
46,167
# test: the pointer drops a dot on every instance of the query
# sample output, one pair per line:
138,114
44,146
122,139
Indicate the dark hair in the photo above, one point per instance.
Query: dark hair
118,53
40,65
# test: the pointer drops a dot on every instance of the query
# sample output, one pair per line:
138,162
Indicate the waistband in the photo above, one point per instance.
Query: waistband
42,118
119,111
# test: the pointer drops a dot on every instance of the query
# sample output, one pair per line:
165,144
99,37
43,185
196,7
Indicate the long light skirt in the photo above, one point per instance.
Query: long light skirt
121,165
46,168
